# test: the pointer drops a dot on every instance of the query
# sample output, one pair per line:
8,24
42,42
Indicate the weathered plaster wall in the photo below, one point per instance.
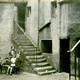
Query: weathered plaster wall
32,21
55,37
15,28
73,28
44,12
45,34
69,24
64,23
63,13
51,32
44,21
6,27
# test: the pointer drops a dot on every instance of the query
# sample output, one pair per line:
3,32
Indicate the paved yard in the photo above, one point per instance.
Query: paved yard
30,76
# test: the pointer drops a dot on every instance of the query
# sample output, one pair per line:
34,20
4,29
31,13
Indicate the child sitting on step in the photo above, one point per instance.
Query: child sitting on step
7,63
13,59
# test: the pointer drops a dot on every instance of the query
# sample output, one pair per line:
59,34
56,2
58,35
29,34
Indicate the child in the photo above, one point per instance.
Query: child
12,52
18,54
13,59
17,63
7,63
1,62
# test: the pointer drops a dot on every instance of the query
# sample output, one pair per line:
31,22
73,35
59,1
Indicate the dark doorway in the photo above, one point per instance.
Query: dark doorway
64,56
46,46
21,14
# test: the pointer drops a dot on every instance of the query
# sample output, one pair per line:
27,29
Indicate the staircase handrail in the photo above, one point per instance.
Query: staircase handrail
24,33
74,46
75,58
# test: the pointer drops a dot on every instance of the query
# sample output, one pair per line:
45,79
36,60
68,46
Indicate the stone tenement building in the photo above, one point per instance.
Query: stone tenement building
51,25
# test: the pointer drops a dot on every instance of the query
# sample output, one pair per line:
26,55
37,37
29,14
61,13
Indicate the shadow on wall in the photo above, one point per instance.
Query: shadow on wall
74,34
74,30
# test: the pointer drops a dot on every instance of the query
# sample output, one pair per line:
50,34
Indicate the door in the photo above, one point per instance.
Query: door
64,56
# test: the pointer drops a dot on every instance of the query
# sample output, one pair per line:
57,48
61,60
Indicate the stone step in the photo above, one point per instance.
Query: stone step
37,60
21,38
22,41
47,72
29,50
33,57
25,44
40,64
26,47
43,68
21,35
32,53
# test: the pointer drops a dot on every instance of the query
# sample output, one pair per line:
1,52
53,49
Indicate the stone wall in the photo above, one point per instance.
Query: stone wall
6,27
32,21
44,12
64,24
55,36
49,29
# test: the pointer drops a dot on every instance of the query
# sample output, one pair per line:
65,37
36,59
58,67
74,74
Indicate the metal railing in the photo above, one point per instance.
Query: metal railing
75,58
26,37
74,46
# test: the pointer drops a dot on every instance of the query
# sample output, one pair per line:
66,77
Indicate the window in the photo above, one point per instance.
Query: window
46,46
28,11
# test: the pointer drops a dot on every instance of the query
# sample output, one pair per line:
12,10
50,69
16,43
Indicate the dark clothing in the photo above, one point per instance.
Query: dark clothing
7,63
18,62
0,68
10,55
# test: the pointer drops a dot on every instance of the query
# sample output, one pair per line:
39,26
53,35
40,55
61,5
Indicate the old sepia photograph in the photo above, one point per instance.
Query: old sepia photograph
39,40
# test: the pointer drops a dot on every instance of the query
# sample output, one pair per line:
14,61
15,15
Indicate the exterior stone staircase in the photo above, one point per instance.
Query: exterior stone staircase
38,62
